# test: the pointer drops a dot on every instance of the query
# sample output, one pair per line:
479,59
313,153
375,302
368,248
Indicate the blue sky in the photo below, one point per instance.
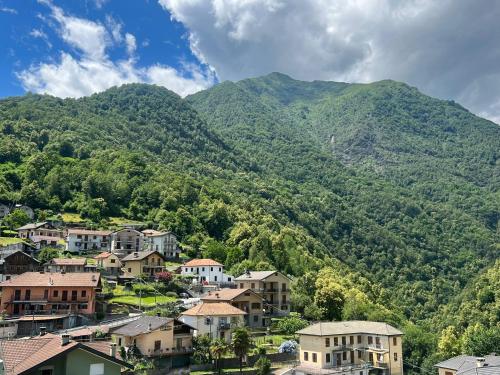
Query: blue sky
447,48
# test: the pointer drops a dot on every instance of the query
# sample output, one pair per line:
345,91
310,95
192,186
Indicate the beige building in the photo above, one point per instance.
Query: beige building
350,348
469,365
143,262
156,336
272,286
244,299
218,320
41,229
109,262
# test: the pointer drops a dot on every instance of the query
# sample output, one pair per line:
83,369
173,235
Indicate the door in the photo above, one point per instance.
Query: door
65,295
16,309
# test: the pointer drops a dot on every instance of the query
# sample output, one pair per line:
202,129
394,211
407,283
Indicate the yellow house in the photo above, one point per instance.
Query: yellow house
469,365
350,347
244,299
272,286
143,262
155,336
109,262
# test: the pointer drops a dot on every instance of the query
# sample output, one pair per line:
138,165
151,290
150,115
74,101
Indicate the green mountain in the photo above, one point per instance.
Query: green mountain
394,191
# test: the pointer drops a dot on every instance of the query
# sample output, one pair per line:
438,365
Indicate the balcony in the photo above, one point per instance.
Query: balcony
341,348
224,326
378,348
349,367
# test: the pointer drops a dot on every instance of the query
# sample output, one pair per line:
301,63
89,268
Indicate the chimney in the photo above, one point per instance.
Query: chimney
64,339
43,330
136,255
112,350
480,362
149,327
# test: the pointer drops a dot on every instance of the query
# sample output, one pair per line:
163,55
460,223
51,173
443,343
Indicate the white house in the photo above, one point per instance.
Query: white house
206,271
218,320
163,242
83,240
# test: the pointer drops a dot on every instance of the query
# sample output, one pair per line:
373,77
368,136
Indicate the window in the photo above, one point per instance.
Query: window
46,294
241,285
344,356
370,340
395,357
253,286
47,371
344,340
351,340
328,359
65,295
394,341
130,270
56,293
120,341
202,269
360,354
377,340
215,278
112,261
211,268
255,305
220,269
27,295
96,369
157,345
351,356
359,339
84,293
255,318
315,357
283,287
306,356
335,341
327,342
74,295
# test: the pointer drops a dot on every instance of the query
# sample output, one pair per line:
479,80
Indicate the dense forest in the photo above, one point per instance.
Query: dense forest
385,201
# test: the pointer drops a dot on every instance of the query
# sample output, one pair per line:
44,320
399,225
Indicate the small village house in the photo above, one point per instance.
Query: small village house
69,265
163,242
206,271
84,240
50,354
244,299
272,286
470,365
157,337
50,293
350,348
143,262
126,241
109,263
41,229
15,263
218,320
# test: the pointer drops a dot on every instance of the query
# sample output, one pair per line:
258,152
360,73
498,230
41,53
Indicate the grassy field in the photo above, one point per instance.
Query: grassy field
127,297
70,217
124,220
4,241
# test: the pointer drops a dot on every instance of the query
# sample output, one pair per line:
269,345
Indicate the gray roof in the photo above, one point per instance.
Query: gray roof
142,325
467,364
255,275
32,225
138,255
350,327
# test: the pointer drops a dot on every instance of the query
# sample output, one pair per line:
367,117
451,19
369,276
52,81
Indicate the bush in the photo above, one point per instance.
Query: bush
172,294
143,288
263,366
291,324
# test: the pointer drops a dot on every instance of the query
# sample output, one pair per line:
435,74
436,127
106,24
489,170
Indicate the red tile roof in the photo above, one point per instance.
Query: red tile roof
89,232
69,261
103,255
211,309
226,294
202,262
34,279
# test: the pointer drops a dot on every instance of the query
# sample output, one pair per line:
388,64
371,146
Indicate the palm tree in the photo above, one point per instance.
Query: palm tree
218,348
241,344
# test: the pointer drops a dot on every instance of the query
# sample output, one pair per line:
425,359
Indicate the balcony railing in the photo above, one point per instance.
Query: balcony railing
350,367
342,347
223,326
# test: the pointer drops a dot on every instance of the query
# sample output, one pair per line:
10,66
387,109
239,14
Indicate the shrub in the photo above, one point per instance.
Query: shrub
263,366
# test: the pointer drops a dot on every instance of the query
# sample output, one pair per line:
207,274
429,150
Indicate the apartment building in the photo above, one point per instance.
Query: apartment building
350,348
218,320
84,240
156,336
206,271
272,286
243,299
50,293
143,262
126,241
163,242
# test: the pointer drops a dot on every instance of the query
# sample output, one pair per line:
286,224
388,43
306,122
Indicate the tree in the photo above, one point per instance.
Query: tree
218,348
263,366
449,344
330,298
478,340
16,219
241,344
201,349
291,324
47,254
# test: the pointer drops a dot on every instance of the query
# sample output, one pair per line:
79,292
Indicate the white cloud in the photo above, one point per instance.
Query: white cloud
93,70
38,33
8,10
441,46
100,3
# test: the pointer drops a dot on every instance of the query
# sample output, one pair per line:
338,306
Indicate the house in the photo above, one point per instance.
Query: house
69,265
143,262
350,348
83,240
50,293
41,233
27,210
126,241
4,210
469,365
16,262
244,299
49,354
206,271
156,336
273,286
109,263
9,244
163,242
218,320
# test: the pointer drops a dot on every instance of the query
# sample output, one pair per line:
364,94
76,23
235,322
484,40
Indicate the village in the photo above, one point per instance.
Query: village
128,300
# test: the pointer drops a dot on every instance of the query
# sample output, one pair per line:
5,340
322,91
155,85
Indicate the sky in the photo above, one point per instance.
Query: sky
449,49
